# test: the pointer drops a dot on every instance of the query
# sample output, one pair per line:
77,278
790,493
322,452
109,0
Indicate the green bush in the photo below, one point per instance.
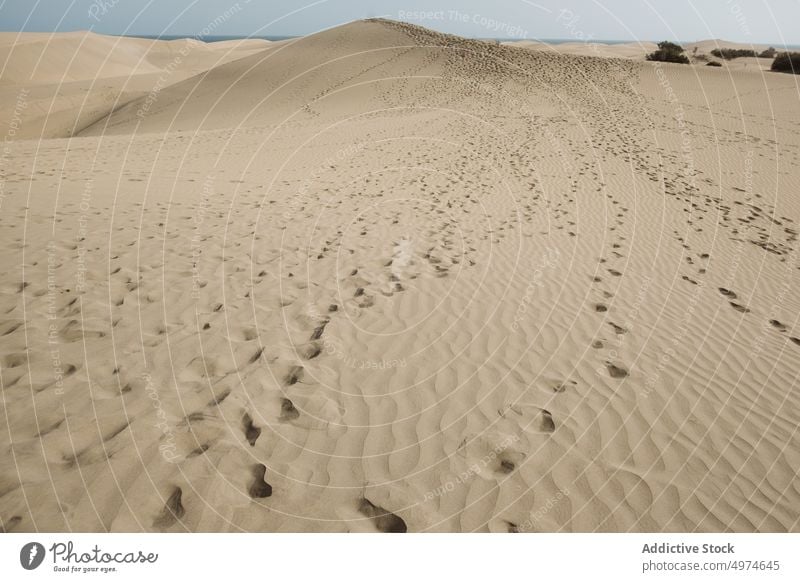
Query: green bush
714,64
668,52
729,54
787,63
768,54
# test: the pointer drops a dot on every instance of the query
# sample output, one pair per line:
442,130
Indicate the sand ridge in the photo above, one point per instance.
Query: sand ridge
54,85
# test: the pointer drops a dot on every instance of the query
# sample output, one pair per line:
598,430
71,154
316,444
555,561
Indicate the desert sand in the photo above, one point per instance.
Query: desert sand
67,81
385,279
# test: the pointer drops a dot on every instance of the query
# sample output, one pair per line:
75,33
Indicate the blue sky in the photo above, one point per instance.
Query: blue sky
748,21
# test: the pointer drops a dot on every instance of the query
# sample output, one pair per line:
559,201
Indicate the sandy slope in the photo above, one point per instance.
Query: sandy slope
383,279
56,85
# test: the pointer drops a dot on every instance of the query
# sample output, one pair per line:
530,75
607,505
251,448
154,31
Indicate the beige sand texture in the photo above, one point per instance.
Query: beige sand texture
386,279
57,84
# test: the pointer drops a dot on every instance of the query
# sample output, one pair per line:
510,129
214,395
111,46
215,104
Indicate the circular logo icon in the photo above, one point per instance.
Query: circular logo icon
31,555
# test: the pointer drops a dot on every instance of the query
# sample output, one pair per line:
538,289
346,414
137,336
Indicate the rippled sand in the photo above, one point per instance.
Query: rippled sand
381,278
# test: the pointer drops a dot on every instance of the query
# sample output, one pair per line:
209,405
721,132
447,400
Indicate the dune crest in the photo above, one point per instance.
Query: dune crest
55,85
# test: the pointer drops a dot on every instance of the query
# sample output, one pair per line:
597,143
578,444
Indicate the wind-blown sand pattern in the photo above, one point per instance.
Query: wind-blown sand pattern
55,85
386,279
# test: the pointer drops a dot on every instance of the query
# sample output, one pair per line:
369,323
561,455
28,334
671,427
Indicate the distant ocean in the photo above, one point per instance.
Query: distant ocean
218,38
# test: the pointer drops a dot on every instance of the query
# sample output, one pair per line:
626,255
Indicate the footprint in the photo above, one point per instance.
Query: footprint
506,467
219,398
727,293
617,329
367,301
294,375
739,308
319,330
546,423
248,334
256,356
615,371
198,451
559,386
383,520
777,325
73,331
288,410
172,512
11,328
14,360
310,350
259,488
600,308
251,431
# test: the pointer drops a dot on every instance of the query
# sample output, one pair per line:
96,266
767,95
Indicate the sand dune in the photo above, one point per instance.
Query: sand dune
385,279
706,46
56,85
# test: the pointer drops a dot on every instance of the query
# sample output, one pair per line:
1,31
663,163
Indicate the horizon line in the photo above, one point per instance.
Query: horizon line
286,36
